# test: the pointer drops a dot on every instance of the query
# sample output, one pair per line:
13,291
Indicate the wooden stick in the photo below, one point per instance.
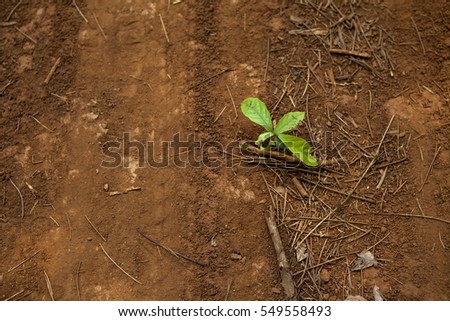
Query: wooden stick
280,99
54,221
15,295
350,53
319,265
98,25
414,215
49,286
13,10
220,114
164,28
21,197
77,281
429,169
283,264
9,83
8,24
79,11
418,34
118,266
37,121
442,242
70,226
300,187
230,282
174,253
267,59
95,229
377,152
26,36
52,70
232,100
23,262
390,163
308,75
362,198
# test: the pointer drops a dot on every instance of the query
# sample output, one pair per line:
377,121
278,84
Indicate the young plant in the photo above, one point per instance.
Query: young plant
255,110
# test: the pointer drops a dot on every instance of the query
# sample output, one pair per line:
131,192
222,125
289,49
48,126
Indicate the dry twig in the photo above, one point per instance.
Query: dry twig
99,26
25,35
232,100
415,215
77,281
437,149
95,229
350,52
79,11
418,34
52,70
49,286
174,253
23,262
37,121
283,264
13,10
21,197
164,28
118,266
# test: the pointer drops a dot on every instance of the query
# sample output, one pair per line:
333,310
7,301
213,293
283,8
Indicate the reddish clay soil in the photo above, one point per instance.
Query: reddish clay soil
119,72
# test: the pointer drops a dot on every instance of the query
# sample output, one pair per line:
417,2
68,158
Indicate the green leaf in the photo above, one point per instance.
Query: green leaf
299,147
289,121
263,137
255,110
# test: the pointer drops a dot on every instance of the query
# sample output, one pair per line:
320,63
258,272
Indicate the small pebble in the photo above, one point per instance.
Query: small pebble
383,229
324,275
281,189
89,239
276,290
1,279
106,187
235,256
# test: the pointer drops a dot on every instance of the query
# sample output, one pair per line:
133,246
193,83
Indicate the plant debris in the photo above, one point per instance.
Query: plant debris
365,259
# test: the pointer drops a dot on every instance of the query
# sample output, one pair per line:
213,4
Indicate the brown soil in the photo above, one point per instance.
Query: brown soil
138,82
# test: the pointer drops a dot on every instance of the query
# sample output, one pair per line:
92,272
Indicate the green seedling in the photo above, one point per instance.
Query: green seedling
274,136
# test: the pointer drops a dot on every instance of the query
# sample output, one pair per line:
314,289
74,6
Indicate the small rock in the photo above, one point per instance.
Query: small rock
325,296
235,256
276,290
106,187
376,293
89,239
383,229
281,189
1,279
301,252
213,242
297,20
90,116
324,275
